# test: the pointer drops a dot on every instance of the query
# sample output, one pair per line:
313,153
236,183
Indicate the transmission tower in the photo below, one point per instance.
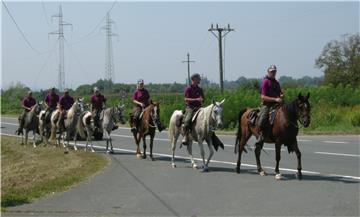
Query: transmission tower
109,62
60,33
221,33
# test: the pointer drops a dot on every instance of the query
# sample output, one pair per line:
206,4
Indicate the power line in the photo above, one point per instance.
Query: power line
45,14
100,22
18,28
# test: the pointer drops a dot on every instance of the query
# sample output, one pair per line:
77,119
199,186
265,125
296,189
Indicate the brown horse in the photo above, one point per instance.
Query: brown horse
283,131
149,120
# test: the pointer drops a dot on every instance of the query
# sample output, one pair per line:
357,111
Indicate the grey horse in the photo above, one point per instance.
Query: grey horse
206,121
70,123
84,127
31,123
108,119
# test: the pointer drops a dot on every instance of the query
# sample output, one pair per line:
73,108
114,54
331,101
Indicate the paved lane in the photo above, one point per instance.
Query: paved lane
152,188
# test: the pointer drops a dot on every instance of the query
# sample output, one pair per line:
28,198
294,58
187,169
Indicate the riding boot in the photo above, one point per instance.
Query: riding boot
186,139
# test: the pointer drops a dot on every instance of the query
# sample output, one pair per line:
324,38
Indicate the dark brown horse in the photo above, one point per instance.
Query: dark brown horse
283,131
149,120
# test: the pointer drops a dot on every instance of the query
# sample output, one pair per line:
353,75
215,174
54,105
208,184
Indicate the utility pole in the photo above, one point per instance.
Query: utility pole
109,62
61,38
188,61
221,33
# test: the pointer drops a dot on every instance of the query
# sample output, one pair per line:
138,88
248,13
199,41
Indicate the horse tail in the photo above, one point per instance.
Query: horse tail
238,134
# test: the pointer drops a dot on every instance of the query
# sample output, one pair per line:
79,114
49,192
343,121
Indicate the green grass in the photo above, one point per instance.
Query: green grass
28,173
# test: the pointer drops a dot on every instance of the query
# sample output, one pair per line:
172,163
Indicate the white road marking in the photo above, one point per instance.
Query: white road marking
304,140
337,154
335,142
213,161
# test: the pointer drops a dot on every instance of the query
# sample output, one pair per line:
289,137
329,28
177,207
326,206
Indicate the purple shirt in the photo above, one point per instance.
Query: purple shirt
142,95
193,92
52,100
97,101
66,102
28,102
270,87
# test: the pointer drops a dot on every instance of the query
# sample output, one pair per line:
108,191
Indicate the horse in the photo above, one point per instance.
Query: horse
204,123
108,119
69,123
84,127
31,123
283,131
44,127
148,121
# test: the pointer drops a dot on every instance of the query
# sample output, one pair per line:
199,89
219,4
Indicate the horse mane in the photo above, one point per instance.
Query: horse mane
291,109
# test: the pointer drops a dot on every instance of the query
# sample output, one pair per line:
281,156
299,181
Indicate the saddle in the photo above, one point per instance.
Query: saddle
253,116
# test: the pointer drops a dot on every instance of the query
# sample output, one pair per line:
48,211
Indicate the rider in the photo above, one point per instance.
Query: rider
97,104
194,98
51,101
271,95
27,103
141,99
65,103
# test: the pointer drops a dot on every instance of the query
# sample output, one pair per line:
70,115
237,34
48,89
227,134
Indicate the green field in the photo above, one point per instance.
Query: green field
335,110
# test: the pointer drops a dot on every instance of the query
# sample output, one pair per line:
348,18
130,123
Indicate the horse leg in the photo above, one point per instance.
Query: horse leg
34,137
138,140
26,136
211,152
88,136
107,140
111,145
257,156
173,147
75,138
202,153
152,135
243,140
298,155
189,149
278,157
144,148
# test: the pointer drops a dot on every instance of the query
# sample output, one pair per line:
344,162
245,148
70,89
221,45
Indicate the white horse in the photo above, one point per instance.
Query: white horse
31,123
70,123
205,121
108,119
84,128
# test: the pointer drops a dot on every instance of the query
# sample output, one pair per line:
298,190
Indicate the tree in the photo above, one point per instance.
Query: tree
340,61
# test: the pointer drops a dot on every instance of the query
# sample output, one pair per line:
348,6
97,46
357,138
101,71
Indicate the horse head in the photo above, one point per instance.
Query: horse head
217,112
37,108
303,109
120,113
155,112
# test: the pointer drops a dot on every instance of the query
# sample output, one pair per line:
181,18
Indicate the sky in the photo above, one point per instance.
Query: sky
154,38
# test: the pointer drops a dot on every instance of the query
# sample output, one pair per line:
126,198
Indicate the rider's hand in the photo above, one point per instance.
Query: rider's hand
142,105
278,100
282,96
200,99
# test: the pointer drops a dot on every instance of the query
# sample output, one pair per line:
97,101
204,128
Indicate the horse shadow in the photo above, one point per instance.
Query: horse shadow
311,177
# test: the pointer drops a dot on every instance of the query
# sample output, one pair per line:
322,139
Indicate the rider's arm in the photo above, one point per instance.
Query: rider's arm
270,99
137,103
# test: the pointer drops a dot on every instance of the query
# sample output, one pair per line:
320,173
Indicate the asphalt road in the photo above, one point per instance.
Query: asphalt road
132,187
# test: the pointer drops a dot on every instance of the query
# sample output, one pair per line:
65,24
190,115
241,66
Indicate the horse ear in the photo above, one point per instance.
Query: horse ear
300,96
213,102
308,95
222,102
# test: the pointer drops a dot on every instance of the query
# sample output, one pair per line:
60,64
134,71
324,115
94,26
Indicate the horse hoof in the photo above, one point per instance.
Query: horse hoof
143,156
278,177
195,166
173,165
75,149
263,173
92,150
152,158
138,156
205,169
298,176
237,170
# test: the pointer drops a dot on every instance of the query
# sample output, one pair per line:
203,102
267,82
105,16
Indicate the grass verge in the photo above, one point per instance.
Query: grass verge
28,173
